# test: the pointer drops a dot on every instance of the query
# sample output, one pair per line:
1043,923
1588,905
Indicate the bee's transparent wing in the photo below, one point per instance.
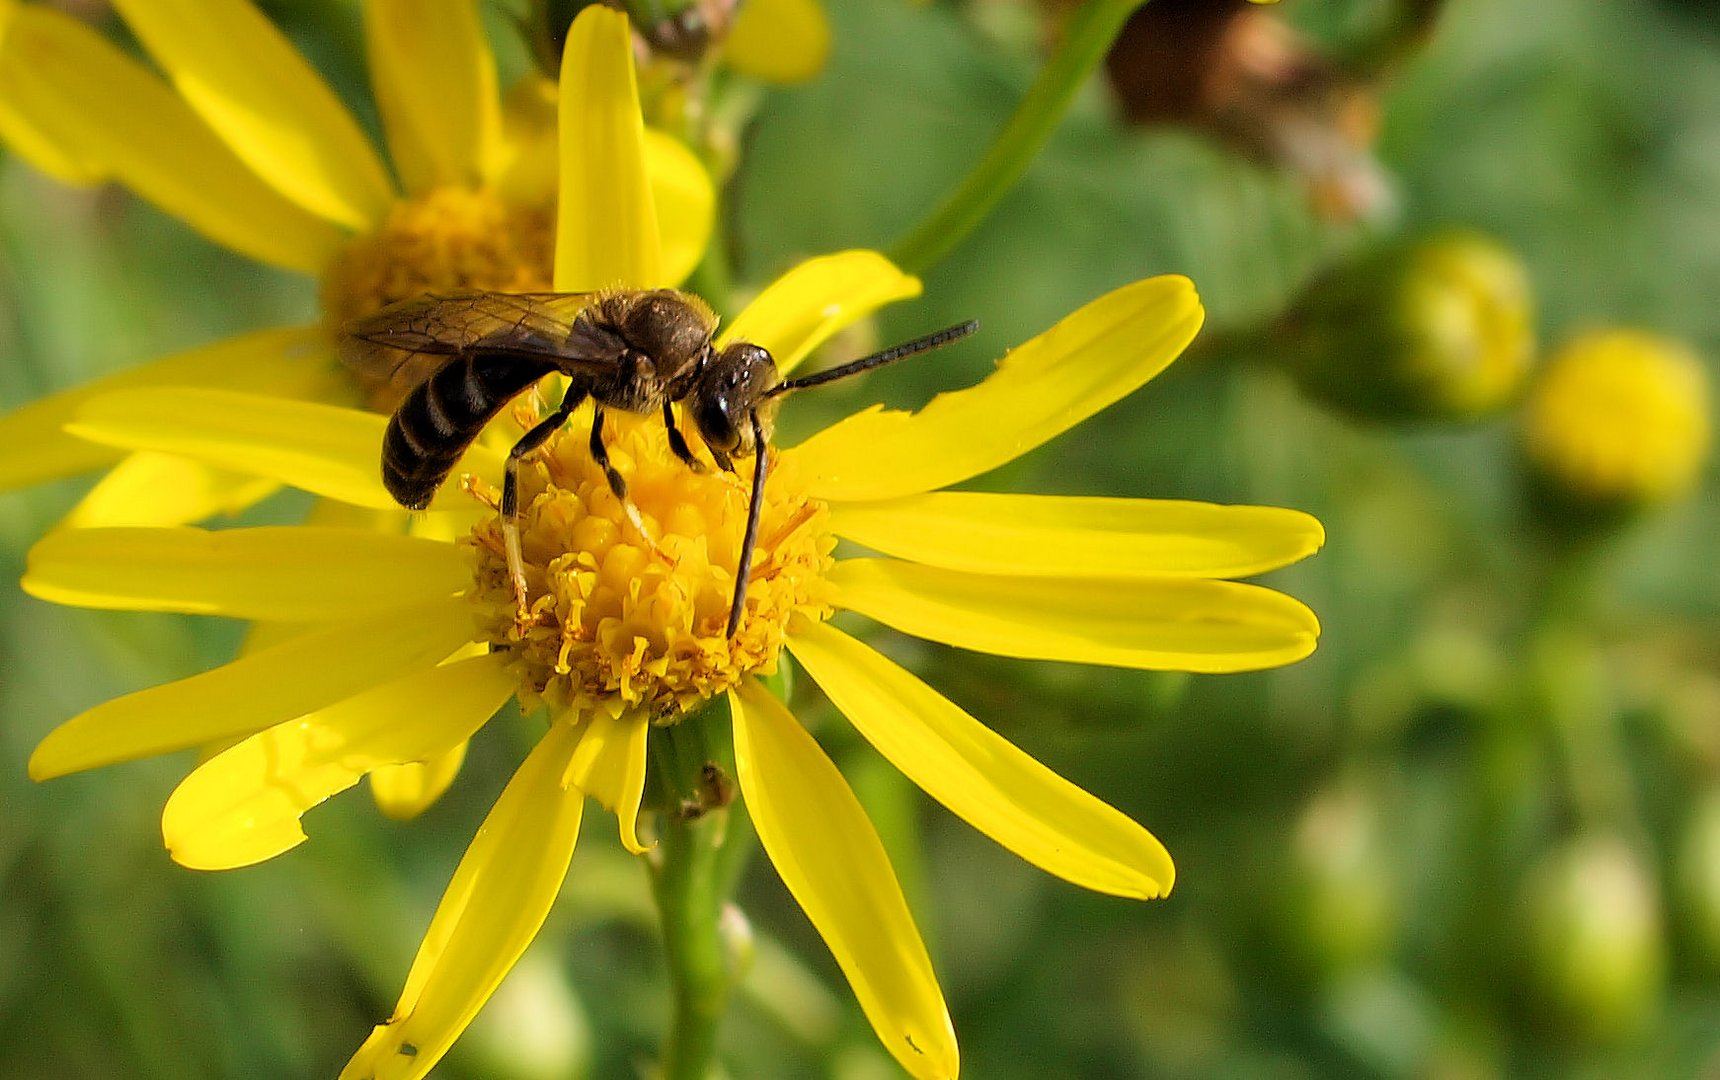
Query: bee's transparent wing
405,343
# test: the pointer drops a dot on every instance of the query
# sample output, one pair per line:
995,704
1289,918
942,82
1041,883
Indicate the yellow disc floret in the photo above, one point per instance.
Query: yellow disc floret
1620,416
628,616
446,240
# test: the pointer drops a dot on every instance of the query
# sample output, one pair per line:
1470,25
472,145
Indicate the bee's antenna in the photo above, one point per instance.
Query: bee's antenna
755,506
879,359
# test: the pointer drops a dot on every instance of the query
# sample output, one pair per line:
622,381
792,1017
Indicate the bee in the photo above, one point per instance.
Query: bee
460,358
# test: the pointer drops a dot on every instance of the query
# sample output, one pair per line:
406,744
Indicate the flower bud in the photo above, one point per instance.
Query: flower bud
1597,949
1617,421
1436,329
1697,882
537,1029
1341,902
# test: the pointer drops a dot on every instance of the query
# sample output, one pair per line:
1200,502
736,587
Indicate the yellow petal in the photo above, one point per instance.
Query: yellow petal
39,146
685,200
609,766
44,150
108,113
1164,624
158,489
243,805
406,790
435,84
245,79
33,446
495,905
525,164
1042,389
829,856
276,572
779,41
323,449
259,690
606,232
800,310
983,778
1054,536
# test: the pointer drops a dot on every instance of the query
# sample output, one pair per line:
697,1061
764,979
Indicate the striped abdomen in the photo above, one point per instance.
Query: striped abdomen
443,415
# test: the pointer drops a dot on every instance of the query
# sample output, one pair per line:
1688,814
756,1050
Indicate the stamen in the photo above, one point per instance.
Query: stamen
628,600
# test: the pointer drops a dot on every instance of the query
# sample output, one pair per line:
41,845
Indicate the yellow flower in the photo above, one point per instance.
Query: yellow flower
780,41
1619,418
411,642
245,143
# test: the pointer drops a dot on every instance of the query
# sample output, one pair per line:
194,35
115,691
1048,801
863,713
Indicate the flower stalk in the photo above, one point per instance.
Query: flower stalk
1085,41
700,851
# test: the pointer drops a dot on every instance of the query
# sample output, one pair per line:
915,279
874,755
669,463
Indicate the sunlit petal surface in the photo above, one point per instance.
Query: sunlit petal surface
404,791
45,150
607,231
525,166
1054,536
829,856
41,147
685,199
1041,389
249,84
243,805
159,489
33,446
323,449
435,83
609,766
1168,624
800,310
496,903
979,775
112,117
281,572
259,690
780,41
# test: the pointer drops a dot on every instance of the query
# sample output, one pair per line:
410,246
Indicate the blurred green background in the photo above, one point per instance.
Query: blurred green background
1392,863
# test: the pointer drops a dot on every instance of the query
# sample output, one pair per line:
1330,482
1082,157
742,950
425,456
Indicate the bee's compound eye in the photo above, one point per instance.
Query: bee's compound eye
716,426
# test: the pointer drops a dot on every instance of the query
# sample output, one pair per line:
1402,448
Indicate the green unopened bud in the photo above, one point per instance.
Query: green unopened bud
1437,329
1340,896
1697,882
1597,948
1617,422
538,1029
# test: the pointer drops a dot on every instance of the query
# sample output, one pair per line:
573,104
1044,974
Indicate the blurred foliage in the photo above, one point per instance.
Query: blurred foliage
1474,836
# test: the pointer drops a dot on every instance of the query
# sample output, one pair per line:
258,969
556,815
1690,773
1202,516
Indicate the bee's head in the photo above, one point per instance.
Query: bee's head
732,388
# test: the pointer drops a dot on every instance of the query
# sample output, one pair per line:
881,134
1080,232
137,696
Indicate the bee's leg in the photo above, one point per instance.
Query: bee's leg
618,485
749,541
600,454
678,441
530,441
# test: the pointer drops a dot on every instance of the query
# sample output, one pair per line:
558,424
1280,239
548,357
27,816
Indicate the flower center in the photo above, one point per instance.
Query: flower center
623,621
442,241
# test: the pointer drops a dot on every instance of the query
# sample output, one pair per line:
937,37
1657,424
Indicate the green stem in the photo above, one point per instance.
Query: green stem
1085,42
1569,689
700,847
